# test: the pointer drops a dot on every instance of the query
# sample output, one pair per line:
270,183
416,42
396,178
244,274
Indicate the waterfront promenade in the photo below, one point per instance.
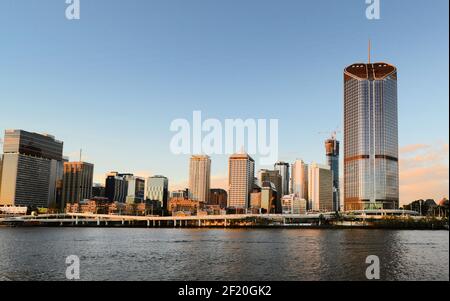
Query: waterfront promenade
229,220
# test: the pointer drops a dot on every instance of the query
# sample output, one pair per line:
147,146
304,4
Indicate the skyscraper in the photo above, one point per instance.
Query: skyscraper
77,182
299,179
332,154
241,174
135,188
199,178
320,182
283,169
370,136
275,178
116,187
31,169
157,189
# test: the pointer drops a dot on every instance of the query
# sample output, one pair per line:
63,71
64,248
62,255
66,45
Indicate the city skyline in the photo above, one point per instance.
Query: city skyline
112,97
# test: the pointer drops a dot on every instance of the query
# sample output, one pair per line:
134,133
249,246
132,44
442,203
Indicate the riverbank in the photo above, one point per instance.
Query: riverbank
375,226
315,221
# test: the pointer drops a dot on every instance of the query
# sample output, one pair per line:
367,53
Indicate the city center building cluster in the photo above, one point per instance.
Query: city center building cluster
34,173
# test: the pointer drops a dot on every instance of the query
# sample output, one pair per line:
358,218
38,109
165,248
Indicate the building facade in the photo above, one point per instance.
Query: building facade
181,193
182,206
31,170
199,178
274,177
77,182
269,198
218,197
299,179
98,191
320,181
332,155
292,204
135,188
157,189
283,169
116,187
371,177
241,174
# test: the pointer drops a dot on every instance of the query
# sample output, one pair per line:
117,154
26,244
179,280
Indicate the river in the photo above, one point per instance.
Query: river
222,254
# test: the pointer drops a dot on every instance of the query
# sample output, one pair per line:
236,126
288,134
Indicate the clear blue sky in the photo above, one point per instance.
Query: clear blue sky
112,82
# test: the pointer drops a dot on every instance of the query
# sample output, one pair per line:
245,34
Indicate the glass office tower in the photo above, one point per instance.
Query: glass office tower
157,189
332,154
370,137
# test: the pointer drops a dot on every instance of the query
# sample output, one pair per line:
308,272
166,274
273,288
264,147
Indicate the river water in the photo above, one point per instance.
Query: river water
222,254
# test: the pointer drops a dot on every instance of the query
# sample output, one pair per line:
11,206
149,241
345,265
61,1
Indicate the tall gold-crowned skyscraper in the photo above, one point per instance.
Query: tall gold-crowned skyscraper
371,178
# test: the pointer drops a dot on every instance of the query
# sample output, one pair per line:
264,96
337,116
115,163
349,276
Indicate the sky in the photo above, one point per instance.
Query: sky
112,82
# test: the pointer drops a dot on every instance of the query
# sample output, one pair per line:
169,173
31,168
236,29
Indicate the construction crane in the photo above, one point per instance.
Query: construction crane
333,134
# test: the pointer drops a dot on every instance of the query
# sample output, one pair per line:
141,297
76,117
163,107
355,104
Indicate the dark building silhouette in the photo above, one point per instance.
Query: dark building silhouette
218,197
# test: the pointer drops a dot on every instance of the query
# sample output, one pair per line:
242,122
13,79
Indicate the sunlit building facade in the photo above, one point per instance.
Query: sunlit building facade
77,182
320,190
274,177
241,174
32,169
371,177
299,179
157,189
199,178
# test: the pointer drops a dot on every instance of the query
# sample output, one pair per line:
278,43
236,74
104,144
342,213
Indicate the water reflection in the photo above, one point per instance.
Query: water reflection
222,254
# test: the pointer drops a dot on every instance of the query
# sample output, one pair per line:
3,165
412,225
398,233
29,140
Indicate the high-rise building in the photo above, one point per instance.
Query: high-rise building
283,169
273,176
135,188
241,174
31,169
218,197
332,154
370,137
299,179
269,198
77,182
199,178
320,182
157,189
116,187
